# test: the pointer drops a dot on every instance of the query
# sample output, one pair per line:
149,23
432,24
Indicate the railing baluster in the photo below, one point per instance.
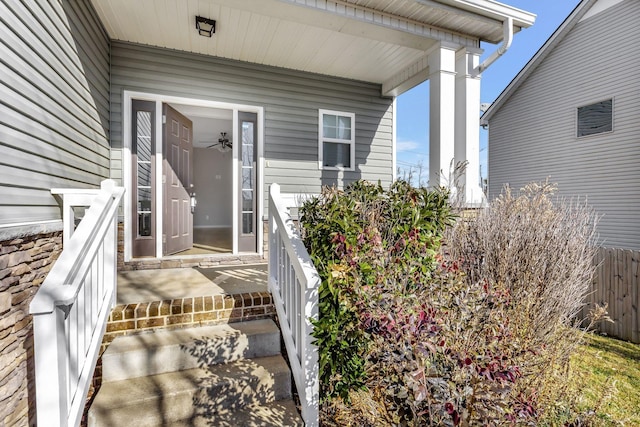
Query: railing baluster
299,321
76,338
88,308
288,306
68,356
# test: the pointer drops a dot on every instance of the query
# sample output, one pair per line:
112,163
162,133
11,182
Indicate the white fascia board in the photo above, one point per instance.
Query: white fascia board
344,12
495,10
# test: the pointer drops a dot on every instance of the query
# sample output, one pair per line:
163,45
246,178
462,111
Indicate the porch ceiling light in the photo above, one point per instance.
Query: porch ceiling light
205,26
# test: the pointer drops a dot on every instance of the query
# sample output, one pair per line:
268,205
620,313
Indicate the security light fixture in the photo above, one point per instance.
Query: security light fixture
205,26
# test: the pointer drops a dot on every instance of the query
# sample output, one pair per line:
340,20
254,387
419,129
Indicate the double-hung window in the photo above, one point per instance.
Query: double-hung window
336,145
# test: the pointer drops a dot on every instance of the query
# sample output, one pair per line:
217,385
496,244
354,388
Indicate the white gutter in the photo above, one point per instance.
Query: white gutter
507,28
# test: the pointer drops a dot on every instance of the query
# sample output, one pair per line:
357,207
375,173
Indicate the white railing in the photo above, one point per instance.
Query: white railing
293,283
71,307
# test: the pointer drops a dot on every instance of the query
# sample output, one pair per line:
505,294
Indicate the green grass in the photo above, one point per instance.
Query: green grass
607,374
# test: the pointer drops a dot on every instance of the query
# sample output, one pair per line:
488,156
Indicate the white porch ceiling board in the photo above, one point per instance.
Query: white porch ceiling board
233,24
181,15
310,55
265,39
386,65
369,40
325,56
255,30
283,44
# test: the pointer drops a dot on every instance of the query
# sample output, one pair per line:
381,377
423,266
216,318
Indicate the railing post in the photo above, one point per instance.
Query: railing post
274,192
111,247
312,371
71,199
51,371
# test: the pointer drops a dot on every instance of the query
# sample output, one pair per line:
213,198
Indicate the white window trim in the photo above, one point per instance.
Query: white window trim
322,140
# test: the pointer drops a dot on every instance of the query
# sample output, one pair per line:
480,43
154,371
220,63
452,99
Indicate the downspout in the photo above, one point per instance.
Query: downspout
507,38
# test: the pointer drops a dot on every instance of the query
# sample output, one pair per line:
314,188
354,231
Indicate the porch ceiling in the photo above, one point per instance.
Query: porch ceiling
370,40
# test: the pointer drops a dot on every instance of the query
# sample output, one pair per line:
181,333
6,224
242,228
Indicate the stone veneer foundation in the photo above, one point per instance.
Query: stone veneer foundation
24,263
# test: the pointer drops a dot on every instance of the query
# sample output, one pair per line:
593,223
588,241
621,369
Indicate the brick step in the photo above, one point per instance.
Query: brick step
128,319
200,393
163,351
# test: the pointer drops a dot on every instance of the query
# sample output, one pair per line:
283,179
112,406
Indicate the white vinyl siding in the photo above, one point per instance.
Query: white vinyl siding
54,114
533,135
336,142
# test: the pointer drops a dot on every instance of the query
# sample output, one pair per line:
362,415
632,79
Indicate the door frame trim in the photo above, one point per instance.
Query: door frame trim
159,99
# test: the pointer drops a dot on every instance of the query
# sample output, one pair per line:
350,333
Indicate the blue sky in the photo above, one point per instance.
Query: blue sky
413,106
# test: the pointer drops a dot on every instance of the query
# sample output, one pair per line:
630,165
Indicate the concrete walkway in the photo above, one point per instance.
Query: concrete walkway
167,284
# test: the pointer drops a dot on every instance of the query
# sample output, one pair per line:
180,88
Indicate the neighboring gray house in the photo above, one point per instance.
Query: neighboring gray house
571,114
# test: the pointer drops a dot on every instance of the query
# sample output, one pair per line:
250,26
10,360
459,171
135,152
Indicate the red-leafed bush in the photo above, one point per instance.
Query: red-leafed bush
409,336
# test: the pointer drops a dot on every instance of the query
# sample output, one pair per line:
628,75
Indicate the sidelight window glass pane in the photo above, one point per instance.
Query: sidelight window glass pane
247,133
247,200
247,223
144,224
247,178
144,174
144,199
143,147
143,136
247,155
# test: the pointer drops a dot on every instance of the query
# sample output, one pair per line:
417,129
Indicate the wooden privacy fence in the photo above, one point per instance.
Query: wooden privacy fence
617,283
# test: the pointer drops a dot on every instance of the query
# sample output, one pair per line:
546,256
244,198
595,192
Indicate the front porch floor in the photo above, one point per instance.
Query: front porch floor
148,300
140,286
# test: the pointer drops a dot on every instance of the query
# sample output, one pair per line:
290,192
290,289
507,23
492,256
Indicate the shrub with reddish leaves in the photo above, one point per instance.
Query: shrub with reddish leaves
412,338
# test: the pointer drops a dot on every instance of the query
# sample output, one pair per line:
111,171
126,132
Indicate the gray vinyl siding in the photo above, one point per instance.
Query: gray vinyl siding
291,101
533,134
54,105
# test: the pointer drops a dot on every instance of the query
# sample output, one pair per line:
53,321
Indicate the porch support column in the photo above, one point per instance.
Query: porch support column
442,86
467,125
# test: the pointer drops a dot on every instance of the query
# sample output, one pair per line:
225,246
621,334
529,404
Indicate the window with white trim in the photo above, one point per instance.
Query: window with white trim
336,145
595,118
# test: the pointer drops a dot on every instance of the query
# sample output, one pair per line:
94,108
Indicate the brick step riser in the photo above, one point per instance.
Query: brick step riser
128,319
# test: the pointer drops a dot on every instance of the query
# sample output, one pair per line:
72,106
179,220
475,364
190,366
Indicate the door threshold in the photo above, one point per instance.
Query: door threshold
190,261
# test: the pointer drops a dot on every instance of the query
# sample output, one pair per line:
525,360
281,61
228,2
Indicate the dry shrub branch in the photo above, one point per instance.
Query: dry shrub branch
540,249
